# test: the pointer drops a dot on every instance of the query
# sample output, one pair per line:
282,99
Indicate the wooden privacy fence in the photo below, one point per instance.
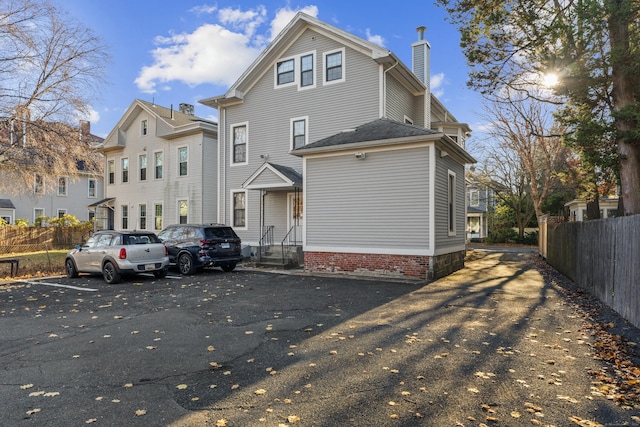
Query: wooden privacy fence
30,239
602,257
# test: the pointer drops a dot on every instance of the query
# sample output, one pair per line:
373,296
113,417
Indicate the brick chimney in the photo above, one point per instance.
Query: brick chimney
85,129
421,67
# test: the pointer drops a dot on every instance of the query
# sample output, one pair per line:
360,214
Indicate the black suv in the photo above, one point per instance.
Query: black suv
195,246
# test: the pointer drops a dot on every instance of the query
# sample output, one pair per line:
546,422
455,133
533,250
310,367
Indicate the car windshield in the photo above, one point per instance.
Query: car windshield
139,239
219,233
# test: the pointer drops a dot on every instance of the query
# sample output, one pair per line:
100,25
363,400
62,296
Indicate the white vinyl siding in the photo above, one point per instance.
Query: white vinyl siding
387,192
400,103
445,165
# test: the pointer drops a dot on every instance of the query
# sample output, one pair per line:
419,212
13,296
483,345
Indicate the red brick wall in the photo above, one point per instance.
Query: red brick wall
390,265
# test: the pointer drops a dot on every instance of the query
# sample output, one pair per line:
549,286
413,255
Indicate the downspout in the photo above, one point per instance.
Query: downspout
222,170
384,88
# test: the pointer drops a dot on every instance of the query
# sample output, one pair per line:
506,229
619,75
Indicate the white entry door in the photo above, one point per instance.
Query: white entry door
295,214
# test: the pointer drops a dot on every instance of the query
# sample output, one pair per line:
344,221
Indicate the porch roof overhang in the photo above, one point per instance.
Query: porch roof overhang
6,204
271,176
104,203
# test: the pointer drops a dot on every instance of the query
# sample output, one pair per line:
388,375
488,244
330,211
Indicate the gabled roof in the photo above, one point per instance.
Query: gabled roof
172,123
289,35
6,204
271,175
379,133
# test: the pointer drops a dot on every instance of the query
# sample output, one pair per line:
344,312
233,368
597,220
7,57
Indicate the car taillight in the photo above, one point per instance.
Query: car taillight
123,253
203,243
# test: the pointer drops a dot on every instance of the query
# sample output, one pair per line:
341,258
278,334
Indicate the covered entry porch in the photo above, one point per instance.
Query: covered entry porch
281,213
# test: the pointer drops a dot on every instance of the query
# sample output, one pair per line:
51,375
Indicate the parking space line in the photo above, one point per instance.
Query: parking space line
58,285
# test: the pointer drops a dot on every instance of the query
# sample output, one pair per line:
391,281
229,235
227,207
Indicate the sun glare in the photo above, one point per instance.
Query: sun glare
550,79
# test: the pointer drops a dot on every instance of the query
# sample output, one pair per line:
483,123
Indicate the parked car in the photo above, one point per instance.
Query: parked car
117,253
195,246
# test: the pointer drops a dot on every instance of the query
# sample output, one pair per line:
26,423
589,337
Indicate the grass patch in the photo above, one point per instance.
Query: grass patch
35,264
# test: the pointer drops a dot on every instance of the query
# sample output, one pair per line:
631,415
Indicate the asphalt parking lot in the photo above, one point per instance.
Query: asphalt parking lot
491,345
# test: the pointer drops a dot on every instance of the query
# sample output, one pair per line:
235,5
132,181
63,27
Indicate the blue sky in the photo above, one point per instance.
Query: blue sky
184,51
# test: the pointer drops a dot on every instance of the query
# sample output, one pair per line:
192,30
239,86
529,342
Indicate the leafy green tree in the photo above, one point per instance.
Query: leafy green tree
593,46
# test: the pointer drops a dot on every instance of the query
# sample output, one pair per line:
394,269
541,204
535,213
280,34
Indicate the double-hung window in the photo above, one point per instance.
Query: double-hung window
111,166
451,203
92,188
183,211
125,170
142,164
298,132
144,128
334,66
62,186
157,162
183,158
239,209
239,155
286,71
474,198
157,214
306,70
124,210
142,208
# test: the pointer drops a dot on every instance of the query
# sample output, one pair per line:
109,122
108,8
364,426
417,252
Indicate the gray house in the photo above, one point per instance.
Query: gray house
331,147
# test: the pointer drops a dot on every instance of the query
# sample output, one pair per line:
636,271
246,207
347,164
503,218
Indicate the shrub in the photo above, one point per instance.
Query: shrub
22,222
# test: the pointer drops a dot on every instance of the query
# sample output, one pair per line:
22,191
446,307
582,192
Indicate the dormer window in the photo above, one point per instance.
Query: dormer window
286,71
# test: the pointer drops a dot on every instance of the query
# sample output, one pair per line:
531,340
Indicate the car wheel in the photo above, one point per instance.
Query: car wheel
110,273
228,267
70,268
185,264
160,274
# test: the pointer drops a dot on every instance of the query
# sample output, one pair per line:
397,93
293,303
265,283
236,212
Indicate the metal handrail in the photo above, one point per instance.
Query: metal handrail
266,241
289,243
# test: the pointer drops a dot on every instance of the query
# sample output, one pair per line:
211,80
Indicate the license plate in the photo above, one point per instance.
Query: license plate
149,266
225,245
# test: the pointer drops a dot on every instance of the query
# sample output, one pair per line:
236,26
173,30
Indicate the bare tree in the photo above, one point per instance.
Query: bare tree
525,152
51,69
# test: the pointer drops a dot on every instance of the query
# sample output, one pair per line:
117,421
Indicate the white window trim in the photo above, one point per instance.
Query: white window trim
139,168
471,192
122,216
178,210
232,146
144,127
451,216
297,70
110,161
122,181
154,215
66,186
178,160
146,216
306,130
44,213
164,172
95,188
325,82
59,211
275,72
246,209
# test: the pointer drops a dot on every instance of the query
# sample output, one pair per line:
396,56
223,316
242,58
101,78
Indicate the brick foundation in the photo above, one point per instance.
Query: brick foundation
415,266
367,264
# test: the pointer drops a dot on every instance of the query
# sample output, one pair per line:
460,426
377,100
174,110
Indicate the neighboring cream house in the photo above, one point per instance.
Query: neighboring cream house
69,195
481,201
578,208
329,143
160,169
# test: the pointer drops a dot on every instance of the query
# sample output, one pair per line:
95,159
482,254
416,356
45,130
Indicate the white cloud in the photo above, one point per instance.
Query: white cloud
374,38
285,15
205,9
215,53
437,83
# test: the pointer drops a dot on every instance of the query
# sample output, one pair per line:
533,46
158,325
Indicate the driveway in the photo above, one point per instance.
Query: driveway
493,344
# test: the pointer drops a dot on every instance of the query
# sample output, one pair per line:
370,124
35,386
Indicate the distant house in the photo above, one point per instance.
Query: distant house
578,208
69,195
330,144
481,201
160,168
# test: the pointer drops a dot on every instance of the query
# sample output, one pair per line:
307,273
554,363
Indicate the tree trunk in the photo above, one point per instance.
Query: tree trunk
624,85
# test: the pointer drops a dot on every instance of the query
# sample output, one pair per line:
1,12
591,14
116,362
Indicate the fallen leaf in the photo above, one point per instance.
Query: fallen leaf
141,412
26,386
210,348
181,386
33,411
260,391
221,423
91,420
293,419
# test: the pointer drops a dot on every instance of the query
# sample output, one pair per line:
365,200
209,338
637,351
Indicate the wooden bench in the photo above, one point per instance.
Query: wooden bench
13,262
